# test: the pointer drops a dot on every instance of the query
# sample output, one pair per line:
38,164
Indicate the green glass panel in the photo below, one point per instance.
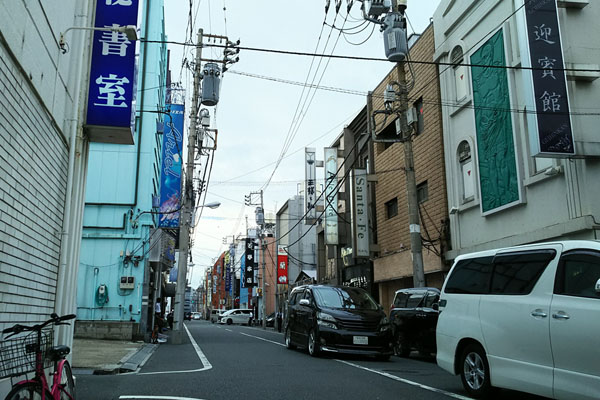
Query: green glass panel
495,146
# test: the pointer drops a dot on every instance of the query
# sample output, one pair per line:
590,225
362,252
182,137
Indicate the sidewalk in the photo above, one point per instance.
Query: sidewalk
94,356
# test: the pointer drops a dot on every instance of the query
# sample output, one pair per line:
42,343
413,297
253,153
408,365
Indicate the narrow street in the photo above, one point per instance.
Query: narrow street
228,362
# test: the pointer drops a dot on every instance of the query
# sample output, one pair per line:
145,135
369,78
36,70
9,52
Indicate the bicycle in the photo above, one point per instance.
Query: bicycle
33,351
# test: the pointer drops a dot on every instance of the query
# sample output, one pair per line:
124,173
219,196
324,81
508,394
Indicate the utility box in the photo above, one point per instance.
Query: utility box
127,282
211,83
394,37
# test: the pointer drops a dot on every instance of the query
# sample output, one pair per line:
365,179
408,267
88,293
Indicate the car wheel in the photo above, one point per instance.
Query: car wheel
313,345
401,346
475,371
288,340
229,321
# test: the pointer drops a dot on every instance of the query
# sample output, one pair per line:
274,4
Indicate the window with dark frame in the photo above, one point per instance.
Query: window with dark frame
391,208
420,124
422,192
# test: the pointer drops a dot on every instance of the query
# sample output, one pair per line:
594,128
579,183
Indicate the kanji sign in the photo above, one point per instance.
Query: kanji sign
250,263
282,265
554,133
113,71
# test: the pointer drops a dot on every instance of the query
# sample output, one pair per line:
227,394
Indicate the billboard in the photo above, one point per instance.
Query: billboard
331,211
554,133
310,185
282,265
250,263
113,70
170,172
360,214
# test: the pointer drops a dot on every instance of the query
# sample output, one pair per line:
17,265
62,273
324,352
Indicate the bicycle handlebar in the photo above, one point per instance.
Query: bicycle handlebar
54,319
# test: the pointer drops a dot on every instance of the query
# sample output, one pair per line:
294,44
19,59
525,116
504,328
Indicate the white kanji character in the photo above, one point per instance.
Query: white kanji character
543,33
112,89
547,64
550,101
114,43
118,2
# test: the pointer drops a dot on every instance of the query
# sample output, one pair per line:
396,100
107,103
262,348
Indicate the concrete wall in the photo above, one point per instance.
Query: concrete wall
559,204
105,330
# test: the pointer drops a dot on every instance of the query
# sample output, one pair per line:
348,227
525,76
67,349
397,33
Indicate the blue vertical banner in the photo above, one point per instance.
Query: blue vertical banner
170,172
113,69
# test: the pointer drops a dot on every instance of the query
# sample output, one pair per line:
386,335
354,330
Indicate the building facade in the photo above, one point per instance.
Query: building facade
393,266
500,192
117,282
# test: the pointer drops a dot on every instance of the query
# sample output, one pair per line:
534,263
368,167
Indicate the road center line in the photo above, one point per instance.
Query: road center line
406,381
266,340
206,365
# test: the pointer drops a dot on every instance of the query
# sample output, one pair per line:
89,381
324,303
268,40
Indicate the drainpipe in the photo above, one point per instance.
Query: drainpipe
64,291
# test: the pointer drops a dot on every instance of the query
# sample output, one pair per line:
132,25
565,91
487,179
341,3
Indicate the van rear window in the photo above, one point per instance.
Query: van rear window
471,276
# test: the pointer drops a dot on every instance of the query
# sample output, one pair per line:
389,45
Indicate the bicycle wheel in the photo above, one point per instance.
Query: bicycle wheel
28,391
67,384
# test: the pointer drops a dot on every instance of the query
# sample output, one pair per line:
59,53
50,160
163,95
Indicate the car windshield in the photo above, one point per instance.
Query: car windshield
344,298
227,312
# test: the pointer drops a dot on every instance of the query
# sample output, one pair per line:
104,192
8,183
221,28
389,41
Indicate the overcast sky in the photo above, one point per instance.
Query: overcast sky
256,115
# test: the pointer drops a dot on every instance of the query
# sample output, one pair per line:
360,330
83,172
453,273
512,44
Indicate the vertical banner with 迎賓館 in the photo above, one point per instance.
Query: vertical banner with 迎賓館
113,70
227,273
282,265
170,172
554,133
498,179
310,185
331,190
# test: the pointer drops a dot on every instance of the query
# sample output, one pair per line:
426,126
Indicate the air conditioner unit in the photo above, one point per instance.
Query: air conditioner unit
127,282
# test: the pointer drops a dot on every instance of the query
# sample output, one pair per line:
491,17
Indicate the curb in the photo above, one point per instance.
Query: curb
131,362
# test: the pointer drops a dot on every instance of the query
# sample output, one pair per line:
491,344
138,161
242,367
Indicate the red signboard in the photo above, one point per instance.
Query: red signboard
282,265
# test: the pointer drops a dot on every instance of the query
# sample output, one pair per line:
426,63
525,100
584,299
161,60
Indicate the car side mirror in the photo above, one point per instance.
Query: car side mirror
304,302
435,306
598,286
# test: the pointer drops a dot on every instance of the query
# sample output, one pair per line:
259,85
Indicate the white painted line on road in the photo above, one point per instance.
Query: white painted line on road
228,330
396,378
266,340
206,364
157,397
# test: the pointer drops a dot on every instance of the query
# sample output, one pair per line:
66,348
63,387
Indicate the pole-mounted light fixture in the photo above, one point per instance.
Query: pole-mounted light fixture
130,32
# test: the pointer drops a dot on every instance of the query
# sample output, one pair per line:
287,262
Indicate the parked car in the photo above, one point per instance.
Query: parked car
187,316
270,320
196,315
414,315
524,318
215,315
337,319
236,316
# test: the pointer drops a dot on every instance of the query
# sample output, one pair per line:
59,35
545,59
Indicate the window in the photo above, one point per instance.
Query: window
578,274
466,167
400,300
517,273
460,72
295,296
391,208
344,298
415,299
422,192
471,276
420,124
432,298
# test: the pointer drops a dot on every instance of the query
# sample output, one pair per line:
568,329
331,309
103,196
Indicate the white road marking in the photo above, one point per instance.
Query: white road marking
228,330
385,374
266,340
157,397
396,378
206,366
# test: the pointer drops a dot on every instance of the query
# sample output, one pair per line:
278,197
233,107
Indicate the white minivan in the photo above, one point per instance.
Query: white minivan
236,316
525,318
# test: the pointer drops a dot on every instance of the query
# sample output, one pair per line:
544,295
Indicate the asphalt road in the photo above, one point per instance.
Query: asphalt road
238,362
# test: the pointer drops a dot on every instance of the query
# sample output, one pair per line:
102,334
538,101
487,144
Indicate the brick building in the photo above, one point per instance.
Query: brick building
393,266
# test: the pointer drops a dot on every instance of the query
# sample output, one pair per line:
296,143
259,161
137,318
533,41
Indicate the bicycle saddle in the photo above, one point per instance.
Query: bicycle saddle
58,352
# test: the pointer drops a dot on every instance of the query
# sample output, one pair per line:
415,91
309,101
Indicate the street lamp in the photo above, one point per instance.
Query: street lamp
130,32
212,205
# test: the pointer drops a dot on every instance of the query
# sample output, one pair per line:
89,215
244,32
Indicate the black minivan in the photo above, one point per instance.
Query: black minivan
337,319
413,315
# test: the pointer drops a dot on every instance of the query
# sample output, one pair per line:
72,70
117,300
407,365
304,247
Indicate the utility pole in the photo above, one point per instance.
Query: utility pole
260,221
187,206
416,247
